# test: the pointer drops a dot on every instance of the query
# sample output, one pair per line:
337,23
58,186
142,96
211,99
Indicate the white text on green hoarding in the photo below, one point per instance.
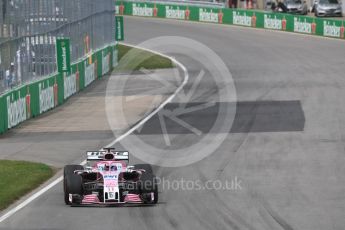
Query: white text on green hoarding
16,110
46,96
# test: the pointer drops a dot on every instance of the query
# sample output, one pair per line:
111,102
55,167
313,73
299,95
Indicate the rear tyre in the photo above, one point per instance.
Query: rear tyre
72,183
146,167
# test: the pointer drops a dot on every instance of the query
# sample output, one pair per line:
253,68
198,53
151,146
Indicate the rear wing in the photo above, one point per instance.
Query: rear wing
99,155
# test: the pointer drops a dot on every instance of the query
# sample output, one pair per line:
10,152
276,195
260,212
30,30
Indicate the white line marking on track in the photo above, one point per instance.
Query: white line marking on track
143,121
130,131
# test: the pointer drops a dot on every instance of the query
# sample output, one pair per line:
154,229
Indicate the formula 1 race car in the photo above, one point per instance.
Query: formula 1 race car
108,180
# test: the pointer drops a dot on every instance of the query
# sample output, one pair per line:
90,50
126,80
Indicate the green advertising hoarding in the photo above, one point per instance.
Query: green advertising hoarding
119,30
47,95
245,18
210,15
333,28
305,25
17,107
175,12
248,18
179,12
63,55
144,9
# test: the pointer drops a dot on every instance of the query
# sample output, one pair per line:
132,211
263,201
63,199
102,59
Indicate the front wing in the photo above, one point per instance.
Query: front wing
92,201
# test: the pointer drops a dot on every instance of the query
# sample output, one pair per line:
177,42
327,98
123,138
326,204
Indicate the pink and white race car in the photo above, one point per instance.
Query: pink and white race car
108,180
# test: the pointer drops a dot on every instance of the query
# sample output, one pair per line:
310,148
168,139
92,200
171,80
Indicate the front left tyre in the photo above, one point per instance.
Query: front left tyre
148,185
146,167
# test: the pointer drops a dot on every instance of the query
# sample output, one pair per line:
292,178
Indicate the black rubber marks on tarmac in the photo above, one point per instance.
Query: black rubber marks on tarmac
251,116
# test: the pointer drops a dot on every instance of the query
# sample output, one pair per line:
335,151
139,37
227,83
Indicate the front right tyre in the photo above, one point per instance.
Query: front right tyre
72,183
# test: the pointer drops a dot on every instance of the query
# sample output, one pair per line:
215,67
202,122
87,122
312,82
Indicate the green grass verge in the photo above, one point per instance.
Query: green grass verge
18,178
134,59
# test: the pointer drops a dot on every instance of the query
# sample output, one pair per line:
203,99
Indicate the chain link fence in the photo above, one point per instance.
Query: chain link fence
28,29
